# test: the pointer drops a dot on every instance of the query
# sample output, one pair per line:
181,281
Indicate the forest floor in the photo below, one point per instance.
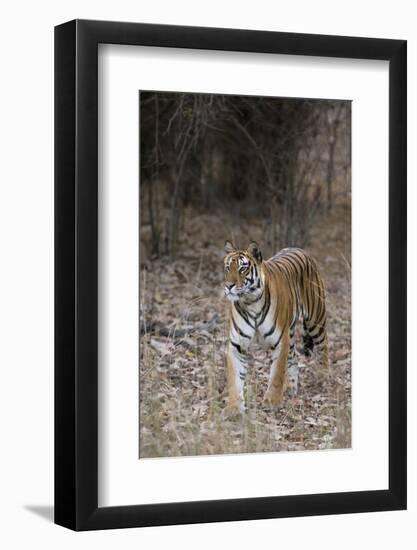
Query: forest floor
182,374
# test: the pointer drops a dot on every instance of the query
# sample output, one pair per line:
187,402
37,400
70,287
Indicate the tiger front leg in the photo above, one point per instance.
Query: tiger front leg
236,364
278,375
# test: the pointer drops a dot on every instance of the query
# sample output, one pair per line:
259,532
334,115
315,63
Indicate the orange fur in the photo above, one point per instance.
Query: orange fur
267,298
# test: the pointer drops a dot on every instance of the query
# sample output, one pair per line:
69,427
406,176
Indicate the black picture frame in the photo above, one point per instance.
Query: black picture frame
76,272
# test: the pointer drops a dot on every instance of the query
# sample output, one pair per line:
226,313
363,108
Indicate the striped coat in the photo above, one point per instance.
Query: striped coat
266,299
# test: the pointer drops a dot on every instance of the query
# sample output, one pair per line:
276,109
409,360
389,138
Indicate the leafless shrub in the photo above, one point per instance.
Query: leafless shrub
276,156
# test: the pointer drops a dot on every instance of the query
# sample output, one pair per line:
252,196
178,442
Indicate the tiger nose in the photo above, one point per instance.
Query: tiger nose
229,286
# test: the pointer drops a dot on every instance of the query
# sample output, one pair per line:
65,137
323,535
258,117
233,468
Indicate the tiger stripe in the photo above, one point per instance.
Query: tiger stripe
267,297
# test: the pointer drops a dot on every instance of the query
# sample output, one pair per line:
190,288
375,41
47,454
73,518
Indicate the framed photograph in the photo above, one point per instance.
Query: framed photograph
230,275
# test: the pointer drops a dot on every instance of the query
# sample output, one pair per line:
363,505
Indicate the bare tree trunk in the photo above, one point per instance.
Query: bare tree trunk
154,183
175,210
333,122
330,173
274,217
206,176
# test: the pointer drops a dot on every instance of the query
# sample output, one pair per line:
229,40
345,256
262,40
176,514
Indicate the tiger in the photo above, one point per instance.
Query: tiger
266,299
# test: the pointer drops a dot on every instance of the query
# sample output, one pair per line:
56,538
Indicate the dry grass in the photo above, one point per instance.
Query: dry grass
182,375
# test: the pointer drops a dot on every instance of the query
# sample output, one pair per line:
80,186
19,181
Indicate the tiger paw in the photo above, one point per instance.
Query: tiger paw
233,411
273,397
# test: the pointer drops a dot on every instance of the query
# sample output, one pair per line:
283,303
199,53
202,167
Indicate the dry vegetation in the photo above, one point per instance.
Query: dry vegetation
214,167
182,375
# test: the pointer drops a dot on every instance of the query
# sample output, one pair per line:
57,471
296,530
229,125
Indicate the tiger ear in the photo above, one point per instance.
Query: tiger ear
255,251
229,247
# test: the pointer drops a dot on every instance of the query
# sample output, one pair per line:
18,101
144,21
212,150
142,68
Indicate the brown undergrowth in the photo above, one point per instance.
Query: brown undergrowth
182,375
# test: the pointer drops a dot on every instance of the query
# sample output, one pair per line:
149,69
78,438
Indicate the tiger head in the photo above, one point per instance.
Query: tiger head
242,273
